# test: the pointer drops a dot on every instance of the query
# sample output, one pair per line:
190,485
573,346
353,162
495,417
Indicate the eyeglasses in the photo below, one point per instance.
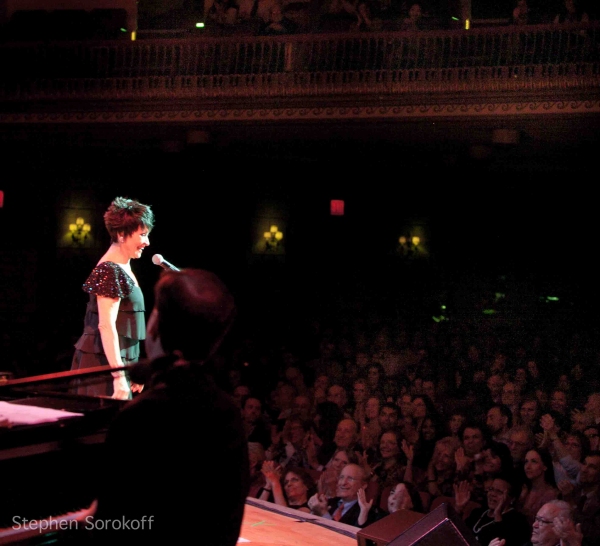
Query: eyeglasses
542,521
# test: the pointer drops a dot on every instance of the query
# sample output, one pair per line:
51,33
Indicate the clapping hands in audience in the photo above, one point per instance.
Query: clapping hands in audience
569,533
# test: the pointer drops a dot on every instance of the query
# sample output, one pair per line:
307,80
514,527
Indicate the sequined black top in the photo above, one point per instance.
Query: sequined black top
108,279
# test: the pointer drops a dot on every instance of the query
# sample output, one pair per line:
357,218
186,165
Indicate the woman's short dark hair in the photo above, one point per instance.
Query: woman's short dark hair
125,216
304,475
502,451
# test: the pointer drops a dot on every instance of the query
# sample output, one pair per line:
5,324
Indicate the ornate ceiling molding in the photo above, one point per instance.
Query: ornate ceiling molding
345,112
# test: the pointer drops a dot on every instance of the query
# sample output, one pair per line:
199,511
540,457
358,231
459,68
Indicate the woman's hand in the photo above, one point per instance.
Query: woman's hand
462,495
501,506
461,459
497,542
565,487
408,450
121,390
318,504
271,471
569,533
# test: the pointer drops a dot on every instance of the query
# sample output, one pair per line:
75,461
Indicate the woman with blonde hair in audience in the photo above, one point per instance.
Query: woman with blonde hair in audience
441,471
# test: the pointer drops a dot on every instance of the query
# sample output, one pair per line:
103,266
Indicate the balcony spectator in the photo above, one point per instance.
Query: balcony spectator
277,23
571,12
414,19
521,14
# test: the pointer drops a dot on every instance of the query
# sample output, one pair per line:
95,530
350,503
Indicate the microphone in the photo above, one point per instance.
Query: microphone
157,259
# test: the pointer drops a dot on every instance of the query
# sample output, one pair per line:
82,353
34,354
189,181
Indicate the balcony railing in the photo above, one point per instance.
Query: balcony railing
522,59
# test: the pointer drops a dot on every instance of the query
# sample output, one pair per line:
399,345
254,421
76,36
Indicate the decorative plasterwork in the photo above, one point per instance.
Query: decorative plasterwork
447,111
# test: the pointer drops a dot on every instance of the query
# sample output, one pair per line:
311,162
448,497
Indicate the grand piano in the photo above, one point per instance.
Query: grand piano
48,467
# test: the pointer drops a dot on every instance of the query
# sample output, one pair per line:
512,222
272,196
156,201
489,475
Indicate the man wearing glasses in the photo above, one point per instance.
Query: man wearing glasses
553,526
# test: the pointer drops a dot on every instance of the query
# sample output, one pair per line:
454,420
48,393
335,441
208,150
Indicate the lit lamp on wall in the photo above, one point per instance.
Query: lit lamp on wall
408,246
273,237
79,231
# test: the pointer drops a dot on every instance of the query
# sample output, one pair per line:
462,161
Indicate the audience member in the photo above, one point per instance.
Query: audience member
291,487
539,486
329,476
499,422
371,429
350,506
254,424
571,12
592,407
346,436
553,526
585,497
498,519
256,458
404,496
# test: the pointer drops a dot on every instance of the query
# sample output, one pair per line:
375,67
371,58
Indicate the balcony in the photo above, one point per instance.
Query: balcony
507,77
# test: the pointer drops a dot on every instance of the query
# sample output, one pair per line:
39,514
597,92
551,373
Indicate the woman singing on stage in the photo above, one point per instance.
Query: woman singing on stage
114,323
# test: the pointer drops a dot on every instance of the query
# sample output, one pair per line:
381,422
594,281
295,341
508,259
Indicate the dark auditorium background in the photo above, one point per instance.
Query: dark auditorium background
494,217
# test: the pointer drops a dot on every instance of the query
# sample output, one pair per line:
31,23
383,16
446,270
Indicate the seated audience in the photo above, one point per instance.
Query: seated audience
554,525
291,487
256,458
388,464
350,506
498,519
404,496
329,476
539,486
255,426
584,498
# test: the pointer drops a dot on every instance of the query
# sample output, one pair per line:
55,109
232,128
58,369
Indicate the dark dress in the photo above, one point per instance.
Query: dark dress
514,527
108,279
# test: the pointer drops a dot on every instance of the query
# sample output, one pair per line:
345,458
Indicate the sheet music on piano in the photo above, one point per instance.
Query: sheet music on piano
21,414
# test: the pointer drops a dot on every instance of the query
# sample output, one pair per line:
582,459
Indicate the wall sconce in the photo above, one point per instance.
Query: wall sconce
273,237
408,246
79,231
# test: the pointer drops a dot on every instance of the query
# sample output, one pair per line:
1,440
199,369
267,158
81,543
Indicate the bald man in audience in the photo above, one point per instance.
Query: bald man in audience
553,526
350,505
